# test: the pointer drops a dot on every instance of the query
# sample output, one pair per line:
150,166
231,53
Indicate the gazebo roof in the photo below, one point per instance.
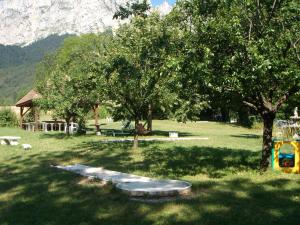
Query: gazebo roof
27,100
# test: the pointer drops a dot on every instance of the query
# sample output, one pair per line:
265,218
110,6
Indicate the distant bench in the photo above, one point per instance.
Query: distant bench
112,132
9,140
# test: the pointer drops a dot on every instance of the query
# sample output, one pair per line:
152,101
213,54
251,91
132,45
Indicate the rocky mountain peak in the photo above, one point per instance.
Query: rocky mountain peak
25,21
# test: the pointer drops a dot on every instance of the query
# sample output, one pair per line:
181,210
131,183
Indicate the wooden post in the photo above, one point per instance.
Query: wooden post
36,118
149,117
21,116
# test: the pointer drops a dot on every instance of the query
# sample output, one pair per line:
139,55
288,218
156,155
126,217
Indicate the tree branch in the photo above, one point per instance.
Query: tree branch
267,103
250,29
293,44
250,105
292,91
258,10
272,9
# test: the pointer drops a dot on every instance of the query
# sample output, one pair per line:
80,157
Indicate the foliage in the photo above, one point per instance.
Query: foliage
33,53
190,74
248,48
17,67
135,65
104,112
288,108
8,118
29,117
14,82
137,8
70,81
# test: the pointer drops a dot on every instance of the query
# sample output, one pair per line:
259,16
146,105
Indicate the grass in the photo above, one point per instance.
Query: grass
227,189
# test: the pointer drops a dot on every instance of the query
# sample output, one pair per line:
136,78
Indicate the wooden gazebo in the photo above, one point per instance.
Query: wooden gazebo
27,103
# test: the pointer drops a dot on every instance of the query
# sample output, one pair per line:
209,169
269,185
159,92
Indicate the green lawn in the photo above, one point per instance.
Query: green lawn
227,189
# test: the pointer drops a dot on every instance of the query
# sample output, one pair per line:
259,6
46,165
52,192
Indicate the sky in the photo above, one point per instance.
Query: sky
159,2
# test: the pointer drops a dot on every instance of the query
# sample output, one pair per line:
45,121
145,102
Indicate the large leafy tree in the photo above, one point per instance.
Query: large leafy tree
136,8
188,63
253,50
70,81
135,65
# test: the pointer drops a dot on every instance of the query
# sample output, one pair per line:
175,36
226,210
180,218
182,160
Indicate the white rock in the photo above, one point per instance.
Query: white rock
26,146
26,21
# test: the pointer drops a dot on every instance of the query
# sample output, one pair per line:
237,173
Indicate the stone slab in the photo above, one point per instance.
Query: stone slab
156,139
103,174
9,140
156,188
131,184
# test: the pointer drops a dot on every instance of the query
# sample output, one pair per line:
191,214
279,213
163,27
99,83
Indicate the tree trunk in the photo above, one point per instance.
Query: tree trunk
268,119
68,126
149,118
225,115
96,113
243,117
136,135
36,118
21,117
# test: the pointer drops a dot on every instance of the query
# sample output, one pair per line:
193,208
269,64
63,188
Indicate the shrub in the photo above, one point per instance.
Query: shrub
8,118
29,117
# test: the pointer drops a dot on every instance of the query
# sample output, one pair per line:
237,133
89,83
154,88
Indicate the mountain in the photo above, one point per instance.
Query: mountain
16,55
17,65
26,21
29,29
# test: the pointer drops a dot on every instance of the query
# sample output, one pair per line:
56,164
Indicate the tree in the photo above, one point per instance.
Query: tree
135,65
137,8
253,51
70,81
187,61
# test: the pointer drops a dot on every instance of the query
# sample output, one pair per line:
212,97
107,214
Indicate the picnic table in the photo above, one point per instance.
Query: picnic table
9,140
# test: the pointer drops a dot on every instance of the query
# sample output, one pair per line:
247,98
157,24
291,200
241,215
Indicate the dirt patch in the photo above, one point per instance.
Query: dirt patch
88,181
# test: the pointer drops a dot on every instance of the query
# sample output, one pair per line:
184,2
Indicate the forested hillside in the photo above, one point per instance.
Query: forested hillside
17,67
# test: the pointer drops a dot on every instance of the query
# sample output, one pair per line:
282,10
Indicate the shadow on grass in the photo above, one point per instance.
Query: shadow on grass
253,136
114,156
173,162
31,192
60,135
37,194
166,133
182,161
56,135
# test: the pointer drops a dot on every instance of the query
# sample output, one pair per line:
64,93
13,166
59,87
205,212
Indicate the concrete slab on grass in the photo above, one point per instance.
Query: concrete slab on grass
156,139
133,185
103,174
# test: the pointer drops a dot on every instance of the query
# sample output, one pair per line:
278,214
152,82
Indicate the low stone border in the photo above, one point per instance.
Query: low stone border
133,185
155,139
155,188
